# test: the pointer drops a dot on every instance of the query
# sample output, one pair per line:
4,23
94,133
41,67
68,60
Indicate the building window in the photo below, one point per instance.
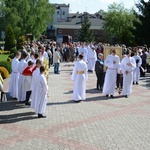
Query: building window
75,39
57,12
60,31
63,12
75,31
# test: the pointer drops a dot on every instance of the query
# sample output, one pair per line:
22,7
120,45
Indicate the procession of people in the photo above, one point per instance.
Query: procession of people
30,71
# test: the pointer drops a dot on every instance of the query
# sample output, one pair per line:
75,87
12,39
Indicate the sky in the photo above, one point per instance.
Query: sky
93,6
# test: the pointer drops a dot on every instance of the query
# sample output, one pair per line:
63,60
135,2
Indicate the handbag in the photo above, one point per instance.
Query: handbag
3,97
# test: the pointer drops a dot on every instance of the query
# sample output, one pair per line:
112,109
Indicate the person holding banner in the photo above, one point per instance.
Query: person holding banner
112,61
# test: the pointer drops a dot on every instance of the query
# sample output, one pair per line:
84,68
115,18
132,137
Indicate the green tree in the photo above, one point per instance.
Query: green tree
10,38
143,27
119,23
27,16
86,34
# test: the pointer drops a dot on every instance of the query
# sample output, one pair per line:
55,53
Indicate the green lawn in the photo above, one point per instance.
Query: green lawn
3,57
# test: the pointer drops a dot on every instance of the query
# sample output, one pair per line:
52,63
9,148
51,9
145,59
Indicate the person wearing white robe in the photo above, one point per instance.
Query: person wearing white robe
128,65
34,84
92,57
136,72
22,65
84,52
112,61
41,93
79,76
13,86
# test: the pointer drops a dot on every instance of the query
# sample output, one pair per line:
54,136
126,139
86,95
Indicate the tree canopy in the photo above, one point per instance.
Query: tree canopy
119,23
26,16
143,27
86,34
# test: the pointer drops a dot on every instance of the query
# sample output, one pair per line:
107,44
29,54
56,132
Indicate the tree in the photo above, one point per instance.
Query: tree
119,23
143,27
86,34
27,16
10,38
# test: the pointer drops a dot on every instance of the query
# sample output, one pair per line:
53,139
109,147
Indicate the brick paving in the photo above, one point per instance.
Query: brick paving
99,123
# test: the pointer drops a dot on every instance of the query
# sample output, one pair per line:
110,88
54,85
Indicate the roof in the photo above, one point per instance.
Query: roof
60,5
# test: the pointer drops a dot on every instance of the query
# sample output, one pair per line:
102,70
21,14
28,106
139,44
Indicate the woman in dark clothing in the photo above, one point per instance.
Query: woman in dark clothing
99,70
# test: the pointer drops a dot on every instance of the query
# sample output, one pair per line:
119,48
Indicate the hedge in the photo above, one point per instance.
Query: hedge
4,72
6,64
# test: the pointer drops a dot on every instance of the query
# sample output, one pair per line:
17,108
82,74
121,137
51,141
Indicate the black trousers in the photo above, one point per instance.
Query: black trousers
119,80
100,80
28,94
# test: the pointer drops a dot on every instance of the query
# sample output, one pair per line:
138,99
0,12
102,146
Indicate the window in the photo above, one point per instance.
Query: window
63,12
60,31
75,31
57,12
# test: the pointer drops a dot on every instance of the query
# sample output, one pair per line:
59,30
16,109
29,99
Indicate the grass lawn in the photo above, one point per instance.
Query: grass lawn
3,57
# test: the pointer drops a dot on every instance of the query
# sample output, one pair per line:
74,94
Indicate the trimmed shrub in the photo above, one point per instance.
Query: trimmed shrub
9,59
4,72
13,50
6,65
20,42
11,55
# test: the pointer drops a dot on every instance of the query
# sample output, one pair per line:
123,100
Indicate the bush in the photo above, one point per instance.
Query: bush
4,72
9,59
13,50
20,42
6,65
11,55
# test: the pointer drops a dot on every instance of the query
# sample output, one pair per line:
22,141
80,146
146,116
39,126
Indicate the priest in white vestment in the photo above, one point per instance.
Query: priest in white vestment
13,86
112,61
22,65
84,52
41,93
128,65
79,76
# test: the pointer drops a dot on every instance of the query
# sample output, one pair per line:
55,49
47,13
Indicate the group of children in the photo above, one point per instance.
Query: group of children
28,81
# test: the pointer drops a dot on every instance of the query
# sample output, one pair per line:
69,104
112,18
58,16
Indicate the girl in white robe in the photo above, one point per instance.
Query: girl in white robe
128,65
13,86
79,76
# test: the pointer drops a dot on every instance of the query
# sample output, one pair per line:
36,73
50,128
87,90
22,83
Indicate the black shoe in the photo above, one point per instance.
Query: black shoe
107,95
126,96
112,96
15,98
137,83
77,101
22,101
41,116
27,103
133,83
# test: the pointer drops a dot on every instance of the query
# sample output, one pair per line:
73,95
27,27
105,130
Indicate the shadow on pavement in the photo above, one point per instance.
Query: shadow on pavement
61,103
12,118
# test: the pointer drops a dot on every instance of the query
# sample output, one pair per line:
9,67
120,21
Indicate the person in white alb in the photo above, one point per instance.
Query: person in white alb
79,76
128,65
136,72
112,61
13,86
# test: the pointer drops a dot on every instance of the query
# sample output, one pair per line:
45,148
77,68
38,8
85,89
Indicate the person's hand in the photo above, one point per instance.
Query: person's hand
129,64
126,72
114,62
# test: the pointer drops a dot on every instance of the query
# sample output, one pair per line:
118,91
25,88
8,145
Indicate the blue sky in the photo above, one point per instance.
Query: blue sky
93,6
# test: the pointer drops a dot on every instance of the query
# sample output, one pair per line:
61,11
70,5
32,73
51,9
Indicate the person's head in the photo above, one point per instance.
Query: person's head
24,55
42,69
56,49
43,49
128,52
113,52
100,56
30,64
18,55
80,56
36,56
32,55
38,63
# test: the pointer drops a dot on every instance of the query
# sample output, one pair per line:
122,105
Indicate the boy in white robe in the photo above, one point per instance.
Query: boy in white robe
34,84
79,76
41,93
128,65
13,86
112,61
22,65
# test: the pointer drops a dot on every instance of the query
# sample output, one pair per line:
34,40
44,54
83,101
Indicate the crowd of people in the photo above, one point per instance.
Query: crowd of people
29,80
